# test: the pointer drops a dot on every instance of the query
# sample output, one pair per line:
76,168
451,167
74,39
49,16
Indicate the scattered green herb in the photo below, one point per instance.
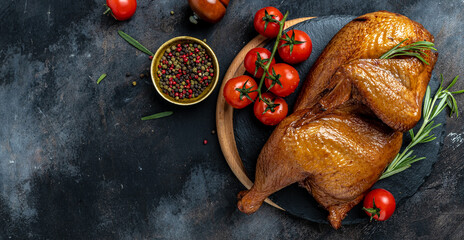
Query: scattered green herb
103,76
134,43
432,107
194,19
414,49
158,115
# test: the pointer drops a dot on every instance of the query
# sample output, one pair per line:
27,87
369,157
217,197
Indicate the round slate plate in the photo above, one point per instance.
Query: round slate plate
251,135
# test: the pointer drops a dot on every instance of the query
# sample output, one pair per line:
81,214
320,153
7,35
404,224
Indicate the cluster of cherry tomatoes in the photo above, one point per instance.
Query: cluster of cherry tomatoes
281,79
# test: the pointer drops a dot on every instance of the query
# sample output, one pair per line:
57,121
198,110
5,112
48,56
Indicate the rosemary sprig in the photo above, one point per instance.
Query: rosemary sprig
431,108
103,76
157,115
135,43
414,49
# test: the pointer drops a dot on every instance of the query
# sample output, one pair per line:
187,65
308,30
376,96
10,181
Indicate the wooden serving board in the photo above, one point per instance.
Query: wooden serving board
224,112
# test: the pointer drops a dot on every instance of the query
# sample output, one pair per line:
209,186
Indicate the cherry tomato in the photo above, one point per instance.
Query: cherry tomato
239,92
273,114
286,82
265,15
295,46
211,11
225,2
122,9
384,204
251,58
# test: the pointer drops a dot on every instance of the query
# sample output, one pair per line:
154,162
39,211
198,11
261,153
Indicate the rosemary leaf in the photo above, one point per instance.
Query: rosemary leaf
393,172
157,115
439,108
404,158
134,43
455,108
415,49
451,102
413,160
429,139
428,128
411,132
452,82
389,53
103,76
427,101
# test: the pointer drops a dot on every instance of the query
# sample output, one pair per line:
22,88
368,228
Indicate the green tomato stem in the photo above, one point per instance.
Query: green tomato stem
107,10
274,49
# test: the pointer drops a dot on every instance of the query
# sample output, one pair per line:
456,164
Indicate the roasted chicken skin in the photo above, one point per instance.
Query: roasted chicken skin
349,117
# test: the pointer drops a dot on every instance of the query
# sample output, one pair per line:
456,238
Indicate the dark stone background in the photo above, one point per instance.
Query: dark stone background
76,162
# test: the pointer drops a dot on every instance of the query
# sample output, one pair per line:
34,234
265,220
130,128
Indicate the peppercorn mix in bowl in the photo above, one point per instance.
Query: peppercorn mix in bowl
184,70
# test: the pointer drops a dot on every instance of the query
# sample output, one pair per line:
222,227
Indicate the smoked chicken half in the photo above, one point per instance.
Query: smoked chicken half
349,118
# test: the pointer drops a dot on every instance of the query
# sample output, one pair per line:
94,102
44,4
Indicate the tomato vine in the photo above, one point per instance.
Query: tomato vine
268,64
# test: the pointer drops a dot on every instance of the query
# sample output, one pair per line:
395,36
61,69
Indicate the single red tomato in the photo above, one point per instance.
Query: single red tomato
209,11
264,21
295,46
286,79
270,114
239,92
379,204
251,59
121,9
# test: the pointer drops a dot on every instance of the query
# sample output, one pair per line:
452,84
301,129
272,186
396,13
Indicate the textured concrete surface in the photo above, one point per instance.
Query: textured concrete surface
76,162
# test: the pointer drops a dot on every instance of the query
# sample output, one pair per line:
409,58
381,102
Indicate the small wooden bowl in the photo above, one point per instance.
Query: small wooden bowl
157,58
